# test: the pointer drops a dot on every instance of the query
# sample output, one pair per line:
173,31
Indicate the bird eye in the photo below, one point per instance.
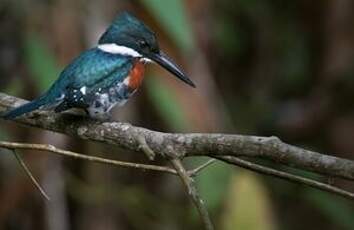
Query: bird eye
143,43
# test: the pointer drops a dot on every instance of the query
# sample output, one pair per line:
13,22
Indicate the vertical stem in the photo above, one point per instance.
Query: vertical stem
189,184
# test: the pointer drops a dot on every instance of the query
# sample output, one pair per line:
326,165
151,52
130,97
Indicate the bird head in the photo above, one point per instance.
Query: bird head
129,36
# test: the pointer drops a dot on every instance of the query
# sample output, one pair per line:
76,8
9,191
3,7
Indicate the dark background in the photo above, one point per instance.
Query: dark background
261,67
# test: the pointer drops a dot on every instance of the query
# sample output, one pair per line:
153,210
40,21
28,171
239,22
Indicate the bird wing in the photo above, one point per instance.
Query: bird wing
95,68
89,72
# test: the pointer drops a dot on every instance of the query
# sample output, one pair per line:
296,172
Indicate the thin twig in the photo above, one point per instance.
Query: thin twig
30,175
52,149
287,176
194,172
145,147
188,183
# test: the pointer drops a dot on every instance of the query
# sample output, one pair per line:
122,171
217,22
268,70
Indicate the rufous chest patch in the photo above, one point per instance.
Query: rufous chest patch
136,75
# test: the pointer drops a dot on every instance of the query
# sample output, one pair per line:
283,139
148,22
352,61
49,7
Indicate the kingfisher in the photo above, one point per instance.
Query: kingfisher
106,75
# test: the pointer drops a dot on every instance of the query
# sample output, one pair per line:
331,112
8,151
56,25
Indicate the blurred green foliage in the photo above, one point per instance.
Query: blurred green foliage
263,54
41,61
173,18
166,104
247,205
212,183
337,209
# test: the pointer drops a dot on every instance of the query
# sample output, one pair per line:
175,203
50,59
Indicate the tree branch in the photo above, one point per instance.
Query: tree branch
181,145
287,176
50,148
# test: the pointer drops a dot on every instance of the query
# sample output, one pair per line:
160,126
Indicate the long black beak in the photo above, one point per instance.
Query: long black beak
164,61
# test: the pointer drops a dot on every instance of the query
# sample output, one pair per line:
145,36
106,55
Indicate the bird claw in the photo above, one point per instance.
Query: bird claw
103,117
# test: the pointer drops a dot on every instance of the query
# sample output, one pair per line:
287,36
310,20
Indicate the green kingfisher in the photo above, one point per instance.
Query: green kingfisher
106,75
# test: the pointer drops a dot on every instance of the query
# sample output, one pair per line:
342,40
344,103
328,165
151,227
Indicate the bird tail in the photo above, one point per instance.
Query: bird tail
23,109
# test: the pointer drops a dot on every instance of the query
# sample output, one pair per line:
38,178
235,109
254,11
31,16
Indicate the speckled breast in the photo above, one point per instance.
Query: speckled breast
119,93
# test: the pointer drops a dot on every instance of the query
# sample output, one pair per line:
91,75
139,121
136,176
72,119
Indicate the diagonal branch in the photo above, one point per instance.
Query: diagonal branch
176,145
189,144
30,175
287,176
